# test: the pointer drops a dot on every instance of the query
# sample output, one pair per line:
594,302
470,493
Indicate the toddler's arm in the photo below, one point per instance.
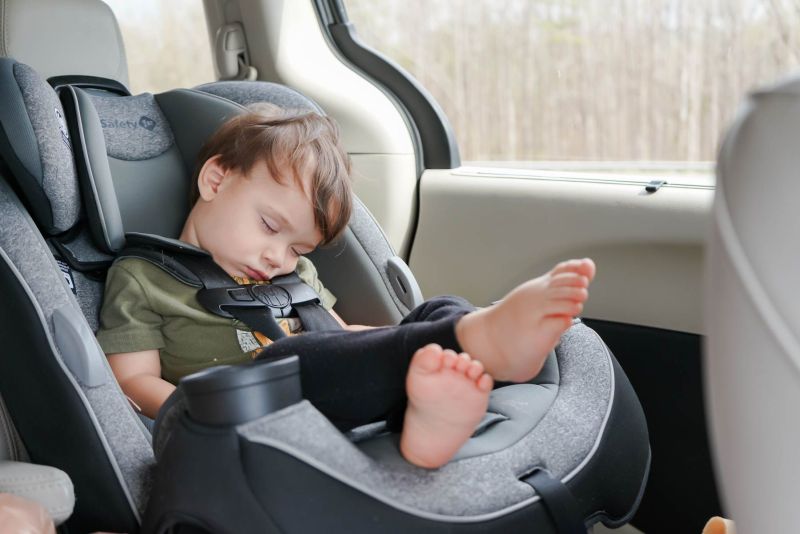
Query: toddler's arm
139,376
351,327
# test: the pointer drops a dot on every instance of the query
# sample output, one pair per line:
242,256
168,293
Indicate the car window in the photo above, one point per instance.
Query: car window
620,81
166,43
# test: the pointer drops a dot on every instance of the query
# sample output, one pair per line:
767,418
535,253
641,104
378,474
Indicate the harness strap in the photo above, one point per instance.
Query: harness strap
257,320
559,502
314,318
255,305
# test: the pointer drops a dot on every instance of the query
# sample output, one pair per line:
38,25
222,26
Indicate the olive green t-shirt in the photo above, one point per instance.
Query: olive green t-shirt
145,308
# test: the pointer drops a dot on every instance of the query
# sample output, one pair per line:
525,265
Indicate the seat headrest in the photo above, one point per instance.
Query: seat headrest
64,37
247,93
36,146
136,155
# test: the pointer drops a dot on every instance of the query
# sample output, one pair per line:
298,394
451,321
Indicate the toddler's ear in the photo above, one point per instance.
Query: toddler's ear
210,178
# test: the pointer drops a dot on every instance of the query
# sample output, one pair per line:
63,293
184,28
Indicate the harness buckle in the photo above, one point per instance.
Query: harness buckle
271,295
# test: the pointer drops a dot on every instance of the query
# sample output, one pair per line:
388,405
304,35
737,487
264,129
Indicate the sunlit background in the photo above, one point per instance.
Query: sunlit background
619,80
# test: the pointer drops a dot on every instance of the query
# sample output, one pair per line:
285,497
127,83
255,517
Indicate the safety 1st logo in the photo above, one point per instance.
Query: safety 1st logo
144,122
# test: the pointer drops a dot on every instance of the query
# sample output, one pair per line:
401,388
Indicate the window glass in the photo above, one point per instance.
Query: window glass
620,80
166,43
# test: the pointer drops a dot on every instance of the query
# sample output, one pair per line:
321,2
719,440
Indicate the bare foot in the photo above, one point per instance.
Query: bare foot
513,338
447,396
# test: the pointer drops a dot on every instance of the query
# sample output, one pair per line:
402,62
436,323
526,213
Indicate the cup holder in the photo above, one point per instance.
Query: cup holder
234,394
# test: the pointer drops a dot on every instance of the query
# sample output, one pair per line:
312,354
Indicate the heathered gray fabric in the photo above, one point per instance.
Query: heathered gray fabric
246,93
128,438
372,239
128,441
59,178
133,126
89,294
88,290
564,437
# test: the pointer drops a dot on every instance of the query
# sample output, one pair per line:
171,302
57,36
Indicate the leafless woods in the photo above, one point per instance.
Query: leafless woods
586,79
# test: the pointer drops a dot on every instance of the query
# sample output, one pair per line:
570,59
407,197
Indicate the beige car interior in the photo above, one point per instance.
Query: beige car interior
478,231
497,227
753,352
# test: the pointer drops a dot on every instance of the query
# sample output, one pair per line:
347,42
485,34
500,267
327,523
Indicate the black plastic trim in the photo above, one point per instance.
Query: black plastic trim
15,131
88,82
50,416
436,141
664,367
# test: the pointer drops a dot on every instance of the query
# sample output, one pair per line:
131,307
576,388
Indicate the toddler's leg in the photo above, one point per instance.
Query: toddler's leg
359,377
512,339
447,397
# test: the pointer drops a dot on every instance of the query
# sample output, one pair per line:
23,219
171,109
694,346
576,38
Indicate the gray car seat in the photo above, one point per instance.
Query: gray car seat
579,424
753,351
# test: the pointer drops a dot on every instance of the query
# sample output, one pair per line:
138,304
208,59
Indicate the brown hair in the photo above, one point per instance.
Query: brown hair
301,141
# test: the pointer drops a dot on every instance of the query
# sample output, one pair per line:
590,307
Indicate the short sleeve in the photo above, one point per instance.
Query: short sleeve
127,320
308,273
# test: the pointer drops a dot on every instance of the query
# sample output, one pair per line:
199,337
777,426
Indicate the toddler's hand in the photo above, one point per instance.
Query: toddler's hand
23,516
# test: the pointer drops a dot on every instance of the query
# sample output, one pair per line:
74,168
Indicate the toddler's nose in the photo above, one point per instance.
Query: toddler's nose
275,258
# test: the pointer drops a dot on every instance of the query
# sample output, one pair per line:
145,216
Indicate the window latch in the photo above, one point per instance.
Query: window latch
654,185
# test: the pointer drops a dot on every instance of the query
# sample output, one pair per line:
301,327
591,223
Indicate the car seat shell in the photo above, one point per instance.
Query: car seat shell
108,453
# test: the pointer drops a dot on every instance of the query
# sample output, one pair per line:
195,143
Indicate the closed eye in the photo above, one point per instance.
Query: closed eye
267,227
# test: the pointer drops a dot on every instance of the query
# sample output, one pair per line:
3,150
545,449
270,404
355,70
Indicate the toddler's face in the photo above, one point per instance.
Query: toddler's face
255,226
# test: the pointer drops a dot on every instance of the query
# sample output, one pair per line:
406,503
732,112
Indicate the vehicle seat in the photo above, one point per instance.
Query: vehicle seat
753,347
579,423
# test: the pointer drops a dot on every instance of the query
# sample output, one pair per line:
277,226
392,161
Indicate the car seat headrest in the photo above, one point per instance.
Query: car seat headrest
35,144
138,169
134,128
136,155
36,33
247,93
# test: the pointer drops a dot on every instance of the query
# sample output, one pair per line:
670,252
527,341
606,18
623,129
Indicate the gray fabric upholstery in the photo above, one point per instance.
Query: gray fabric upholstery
194,116
128,442
41,142
562,442
140,182
63,38
133,126
356,262
88,290
247,93
89,294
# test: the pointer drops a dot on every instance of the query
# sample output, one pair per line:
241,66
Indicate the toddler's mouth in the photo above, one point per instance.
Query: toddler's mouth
256,275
